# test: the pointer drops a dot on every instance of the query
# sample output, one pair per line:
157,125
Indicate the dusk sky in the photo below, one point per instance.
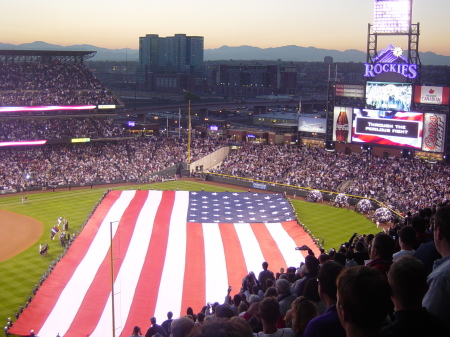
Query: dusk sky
116,24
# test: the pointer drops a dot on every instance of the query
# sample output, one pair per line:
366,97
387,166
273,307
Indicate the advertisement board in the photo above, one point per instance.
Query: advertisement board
396,128
388,96
349,90
434,132
342,119
310,124
431,95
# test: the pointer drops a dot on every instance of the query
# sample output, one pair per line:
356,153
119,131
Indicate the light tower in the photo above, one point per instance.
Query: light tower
393,18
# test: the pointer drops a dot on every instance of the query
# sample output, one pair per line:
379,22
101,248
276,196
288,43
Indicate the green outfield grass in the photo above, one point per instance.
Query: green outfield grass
20,273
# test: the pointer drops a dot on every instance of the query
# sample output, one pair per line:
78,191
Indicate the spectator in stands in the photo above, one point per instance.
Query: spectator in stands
408,280
437,299
381,253
168,323
136,331
311,271
223,328
224,311
182,327
420,225
269,312
363,301
265,275
271,292
327,325
360,255
155,328
285,297
406,240
235,303
301,313
324,257
311,292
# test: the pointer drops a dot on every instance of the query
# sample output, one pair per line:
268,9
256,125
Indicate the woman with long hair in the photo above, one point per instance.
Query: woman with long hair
302,311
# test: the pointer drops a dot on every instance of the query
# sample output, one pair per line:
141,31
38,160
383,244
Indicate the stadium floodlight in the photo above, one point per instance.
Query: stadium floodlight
392,16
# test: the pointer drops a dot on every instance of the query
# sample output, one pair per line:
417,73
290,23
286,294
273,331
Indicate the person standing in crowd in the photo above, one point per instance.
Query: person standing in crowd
328,324
269,311
437,299
136,331
264,275
285,297
381,253
406,240
167,323
408,280
155,328
363,301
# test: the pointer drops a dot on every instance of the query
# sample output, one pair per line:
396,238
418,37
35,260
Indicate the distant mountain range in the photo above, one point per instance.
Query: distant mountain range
286,53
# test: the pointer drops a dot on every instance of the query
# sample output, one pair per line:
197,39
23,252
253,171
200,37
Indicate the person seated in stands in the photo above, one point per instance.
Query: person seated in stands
381,253
327,324
406,240
408,280
363,301
437,299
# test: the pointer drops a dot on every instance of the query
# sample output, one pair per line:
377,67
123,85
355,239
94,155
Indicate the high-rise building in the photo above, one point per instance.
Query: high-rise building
179,54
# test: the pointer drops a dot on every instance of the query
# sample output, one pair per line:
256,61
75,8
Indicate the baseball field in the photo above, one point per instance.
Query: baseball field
24,226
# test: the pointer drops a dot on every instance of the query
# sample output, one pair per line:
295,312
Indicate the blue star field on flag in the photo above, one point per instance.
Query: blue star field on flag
238,207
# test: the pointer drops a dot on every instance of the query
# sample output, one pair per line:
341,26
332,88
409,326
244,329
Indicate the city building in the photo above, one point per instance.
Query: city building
178,57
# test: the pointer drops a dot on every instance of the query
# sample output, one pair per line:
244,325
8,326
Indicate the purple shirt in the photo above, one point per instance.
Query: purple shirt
327,325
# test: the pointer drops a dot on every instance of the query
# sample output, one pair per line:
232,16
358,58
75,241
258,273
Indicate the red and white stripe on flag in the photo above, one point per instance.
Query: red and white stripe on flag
161,263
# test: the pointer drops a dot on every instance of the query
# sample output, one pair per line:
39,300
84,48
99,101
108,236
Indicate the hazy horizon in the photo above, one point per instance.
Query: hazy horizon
325,24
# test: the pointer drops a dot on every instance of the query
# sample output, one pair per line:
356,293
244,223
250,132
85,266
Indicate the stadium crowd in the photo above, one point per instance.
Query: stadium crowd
403,184
52,83
136,159
56,128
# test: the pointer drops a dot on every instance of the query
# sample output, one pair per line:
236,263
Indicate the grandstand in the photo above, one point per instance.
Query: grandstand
51,100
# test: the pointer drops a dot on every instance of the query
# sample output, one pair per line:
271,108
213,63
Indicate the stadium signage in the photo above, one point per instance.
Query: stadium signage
259,185
406,70
391,60
433,138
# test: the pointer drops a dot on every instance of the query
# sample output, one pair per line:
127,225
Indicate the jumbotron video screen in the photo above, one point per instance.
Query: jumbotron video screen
396,128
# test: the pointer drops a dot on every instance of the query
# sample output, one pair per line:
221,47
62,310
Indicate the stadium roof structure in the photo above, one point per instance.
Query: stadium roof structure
69,56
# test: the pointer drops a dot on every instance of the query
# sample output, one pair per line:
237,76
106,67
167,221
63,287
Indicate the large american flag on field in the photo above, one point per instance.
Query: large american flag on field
170,250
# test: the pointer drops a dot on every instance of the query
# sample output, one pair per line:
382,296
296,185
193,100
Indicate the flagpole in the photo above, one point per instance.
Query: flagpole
179,122
189,138
112,278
